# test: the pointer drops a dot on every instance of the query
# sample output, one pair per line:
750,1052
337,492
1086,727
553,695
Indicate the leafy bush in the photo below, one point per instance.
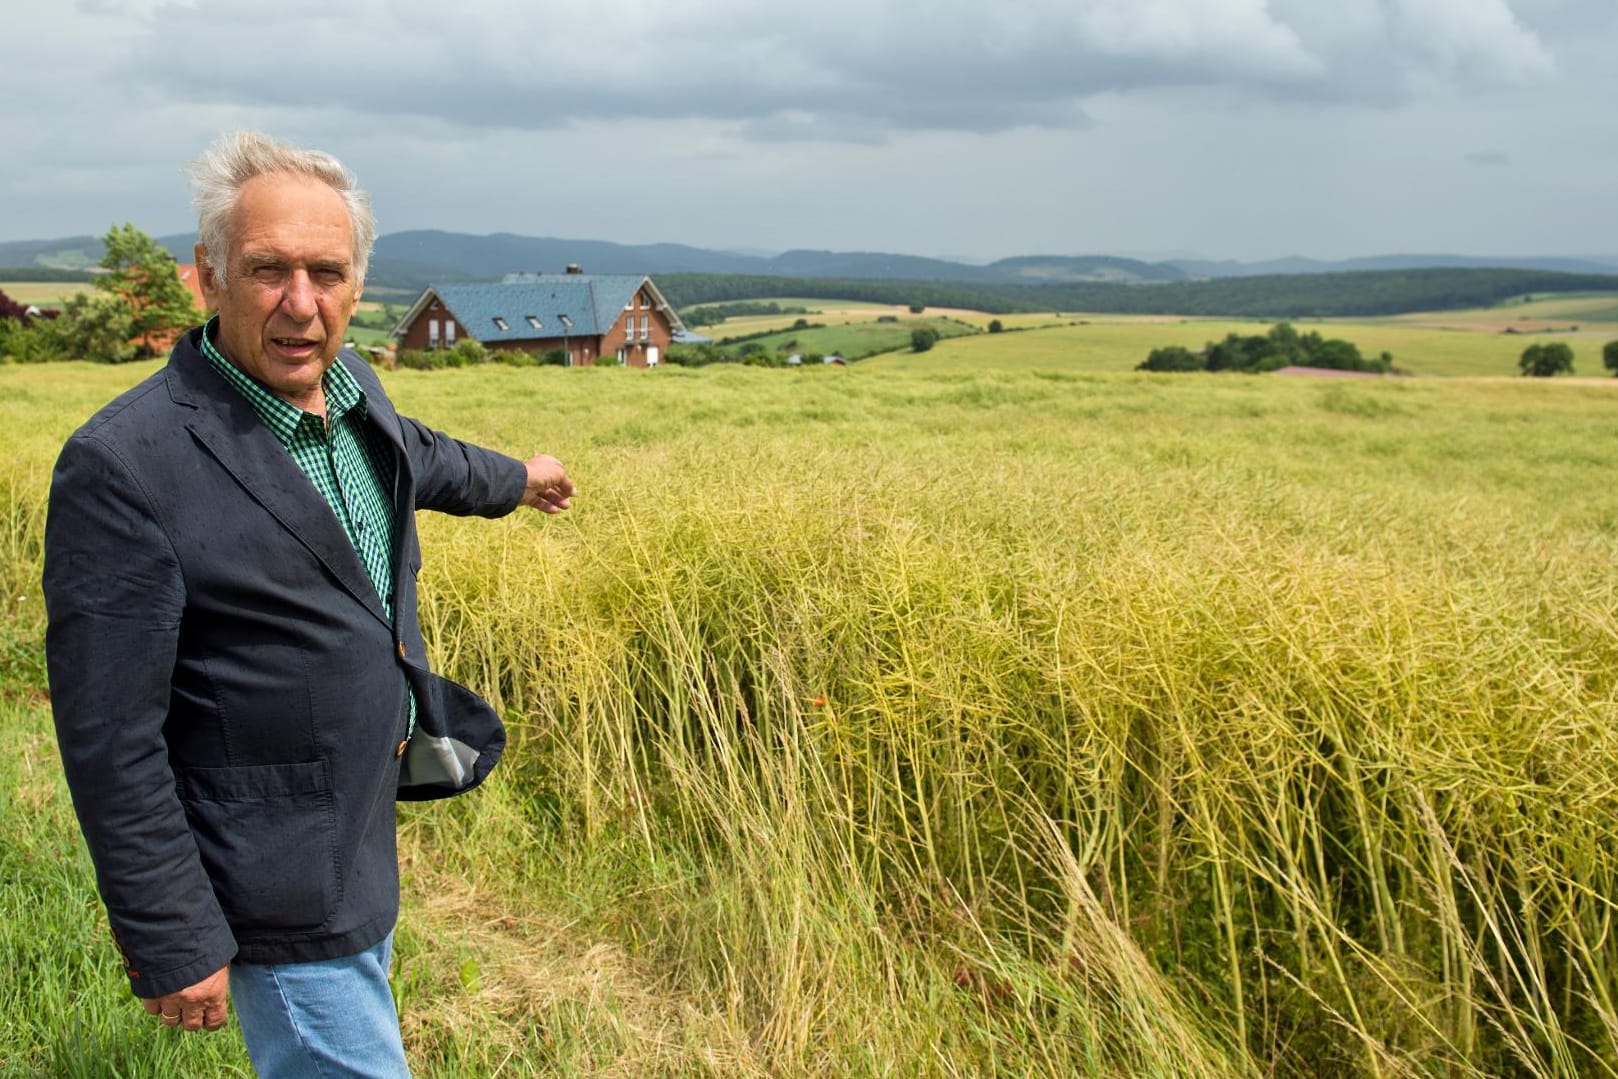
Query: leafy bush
1172,358
1543,361
37,343
1282,346
923,339
99,327
468,353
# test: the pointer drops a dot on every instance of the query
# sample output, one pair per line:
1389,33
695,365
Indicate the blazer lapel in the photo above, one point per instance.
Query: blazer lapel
231,431
382,416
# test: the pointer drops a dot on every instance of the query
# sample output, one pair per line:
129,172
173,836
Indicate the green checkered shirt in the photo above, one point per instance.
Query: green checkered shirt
337,455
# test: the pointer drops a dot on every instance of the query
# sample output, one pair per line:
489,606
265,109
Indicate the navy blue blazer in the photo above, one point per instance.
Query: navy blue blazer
229,693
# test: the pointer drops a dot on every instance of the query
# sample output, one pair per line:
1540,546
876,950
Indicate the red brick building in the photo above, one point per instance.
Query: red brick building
614,318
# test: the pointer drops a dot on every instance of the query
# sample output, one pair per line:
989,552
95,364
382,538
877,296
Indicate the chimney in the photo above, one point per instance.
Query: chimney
574,267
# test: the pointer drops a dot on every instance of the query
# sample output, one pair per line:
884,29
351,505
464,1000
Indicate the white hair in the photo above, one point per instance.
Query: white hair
239,156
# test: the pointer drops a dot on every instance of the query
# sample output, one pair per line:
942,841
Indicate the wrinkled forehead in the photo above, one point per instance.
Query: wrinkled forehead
286,214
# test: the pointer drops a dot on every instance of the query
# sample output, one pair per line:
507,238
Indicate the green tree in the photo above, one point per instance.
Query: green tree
1609,356
917,308
1543,361
1337,355
996,326
94,327
1171,358
1236,353
144,278
1284,347
923,339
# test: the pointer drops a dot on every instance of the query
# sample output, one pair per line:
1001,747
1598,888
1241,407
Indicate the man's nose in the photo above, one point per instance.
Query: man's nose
298,298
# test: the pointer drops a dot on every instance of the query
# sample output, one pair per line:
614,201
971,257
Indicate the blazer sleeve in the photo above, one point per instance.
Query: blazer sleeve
114,595
457,477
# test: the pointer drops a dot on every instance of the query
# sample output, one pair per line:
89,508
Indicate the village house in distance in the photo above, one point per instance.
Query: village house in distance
620,318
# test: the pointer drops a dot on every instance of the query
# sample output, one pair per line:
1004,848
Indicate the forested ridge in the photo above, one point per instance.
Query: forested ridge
1329,295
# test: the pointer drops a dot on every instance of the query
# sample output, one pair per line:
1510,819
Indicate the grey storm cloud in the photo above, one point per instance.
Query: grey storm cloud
1233,127
838,69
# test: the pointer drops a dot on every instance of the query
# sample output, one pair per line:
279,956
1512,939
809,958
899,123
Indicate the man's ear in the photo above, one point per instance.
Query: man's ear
205,278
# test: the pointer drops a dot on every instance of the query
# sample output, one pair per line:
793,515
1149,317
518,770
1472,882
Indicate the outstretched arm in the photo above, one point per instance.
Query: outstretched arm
549,487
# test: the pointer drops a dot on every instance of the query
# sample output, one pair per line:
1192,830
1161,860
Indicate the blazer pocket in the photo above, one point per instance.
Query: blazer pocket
267,837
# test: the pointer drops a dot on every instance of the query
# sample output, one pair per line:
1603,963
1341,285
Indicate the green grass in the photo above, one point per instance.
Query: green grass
1589,309
843,312
1098,345
43,293
858,339
1016,721
63,991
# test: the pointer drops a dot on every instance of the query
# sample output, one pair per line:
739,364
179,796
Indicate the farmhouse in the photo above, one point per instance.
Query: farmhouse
621,317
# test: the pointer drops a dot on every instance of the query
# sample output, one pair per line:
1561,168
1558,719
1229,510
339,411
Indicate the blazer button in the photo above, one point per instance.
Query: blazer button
399,752
401,650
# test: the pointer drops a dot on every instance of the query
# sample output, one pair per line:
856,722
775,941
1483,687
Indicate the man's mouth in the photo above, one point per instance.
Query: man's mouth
294,344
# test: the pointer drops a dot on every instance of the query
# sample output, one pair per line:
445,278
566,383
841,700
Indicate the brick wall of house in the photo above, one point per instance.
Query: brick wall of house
627,336
416,334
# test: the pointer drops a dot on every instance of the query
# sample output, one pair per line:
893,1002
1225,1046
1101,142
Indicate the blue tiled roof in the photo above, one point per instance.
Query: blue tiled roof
590,303
610,293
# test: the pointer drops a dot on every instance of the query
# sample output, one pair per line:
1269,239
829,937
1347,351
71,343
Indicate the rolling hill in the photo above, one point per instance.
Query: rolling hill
407,261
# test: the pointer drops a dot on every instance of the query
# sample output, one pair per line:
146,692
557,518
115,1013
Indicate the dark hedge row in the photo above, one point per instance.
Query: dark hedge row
1286,296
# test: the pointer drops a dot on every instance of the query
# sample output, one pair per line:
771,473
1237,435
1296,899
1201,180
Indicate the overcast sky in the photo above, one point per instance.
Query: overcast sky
1216,128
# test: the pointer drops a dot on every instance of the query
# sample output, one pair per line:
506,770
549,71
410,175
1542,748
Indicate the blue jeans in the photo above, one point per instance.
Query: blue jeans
322,1020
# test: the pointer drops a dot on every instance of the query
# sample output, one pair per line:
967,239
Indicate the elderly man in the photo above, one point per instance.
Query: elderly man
239,681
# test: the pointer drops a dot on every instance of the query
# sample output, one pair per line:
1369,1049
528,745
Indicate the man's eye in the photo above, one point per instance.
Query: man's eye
329,277
267,273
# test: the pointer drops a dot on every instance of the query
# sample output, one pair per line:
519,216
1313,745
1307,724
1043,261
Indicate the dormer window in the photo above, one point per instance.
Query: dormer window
500,324
533,320
567,323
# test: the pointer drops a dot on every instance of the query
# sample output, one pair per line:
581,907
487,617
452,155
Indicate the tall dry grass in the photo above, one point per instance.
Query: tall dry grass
880,723
1102,727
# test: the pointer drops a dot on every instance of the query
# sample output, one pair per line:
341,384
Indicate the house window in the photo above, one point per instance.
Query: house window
449,332
644,325
567,323
432,333
534,322
500,324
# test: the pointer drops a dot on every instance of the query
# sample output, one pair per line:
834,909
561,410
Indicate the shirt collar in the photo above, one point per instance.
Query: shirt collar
343,391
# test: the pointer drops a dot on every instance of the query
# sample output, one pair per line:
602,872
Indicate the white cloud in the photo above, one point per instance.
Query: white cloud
806,71
1479,41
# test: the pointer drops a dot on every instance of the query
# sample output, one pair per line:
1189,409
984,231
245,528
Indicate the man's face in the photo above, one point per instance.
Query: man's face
292,284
